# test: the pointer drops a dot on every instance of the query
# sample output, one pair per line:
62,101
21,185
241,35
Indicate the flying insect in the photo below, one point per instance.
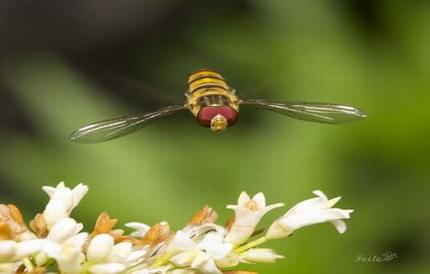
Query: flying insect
215,105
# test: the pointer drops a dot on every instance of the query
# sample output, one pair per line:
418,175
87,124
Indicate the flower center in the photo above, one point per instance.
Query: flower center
252,205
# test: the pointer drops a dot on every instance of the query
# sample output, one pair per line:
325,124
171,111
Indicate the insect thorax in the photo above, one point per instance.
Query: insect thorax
209,88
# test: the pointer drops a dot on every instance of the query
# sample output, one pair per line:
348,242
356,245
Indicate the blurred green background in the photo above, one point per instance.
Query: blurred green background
65,64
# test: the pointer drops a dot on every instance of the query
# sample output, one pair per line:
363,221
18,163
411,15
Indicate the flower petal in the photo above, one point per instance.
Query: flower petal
260,255
141,229
183,242
271,207
63,229
200,259
333,201
219,251
209,267
99,248
212,238
51,248
243,198
27,248
339,225
136,255
213,244
54,211
72,265
260,200
120,252
230,260
109,268
78,193
320,194
49,190
184,259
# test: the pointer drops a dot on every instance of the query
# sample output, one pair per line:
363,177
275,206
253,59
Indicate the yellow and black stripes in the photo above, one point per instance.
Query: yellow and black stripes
207,87
204,79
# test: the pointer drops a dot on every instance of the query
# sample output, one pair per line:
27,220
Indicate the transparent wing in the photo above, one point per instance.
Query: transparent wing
113,128
315,112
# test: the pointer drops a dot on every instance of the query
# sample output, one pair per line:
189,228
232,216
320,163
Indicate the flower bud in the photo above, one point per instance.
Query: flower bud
260,255
99,248
64,229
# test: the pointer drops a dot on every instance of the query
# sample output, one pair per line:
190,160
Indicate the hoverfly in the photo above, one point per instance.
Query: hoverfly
215,105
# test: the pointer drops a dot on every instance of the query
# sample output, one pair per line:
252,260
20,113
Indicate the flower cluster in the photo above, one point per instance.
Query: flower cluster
54,242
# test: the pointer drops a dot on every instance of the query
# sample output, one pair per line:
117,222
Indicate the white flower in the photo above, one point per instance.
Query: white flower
99,247
11,251
105,257
312,211
62,201
140,229
202,246
203,255
63,230
64,244
248,213
260,255
68,254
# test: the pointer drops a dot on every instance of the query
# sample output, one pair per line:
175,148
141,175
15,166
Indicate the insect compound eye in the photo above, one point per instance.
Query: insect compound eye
207,114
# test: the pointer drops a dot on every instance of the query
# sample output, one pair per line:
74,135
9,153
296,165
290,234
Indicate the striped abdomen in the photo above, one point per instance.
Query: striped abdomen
209,97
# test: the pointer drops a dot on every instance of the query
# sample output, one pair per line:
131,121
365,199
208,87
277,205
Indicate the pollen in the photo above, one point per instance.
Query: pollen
104,224
156,234
11,222
204,215
252,205
39,226
5,231
15,214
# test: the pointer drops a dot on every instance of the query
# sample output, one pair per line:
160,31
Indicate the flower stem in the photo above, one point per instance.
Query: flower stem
252,244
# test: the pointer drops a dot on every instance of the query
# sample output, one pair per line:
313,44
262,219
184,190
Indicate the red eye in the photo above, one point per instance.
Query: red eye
207,113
